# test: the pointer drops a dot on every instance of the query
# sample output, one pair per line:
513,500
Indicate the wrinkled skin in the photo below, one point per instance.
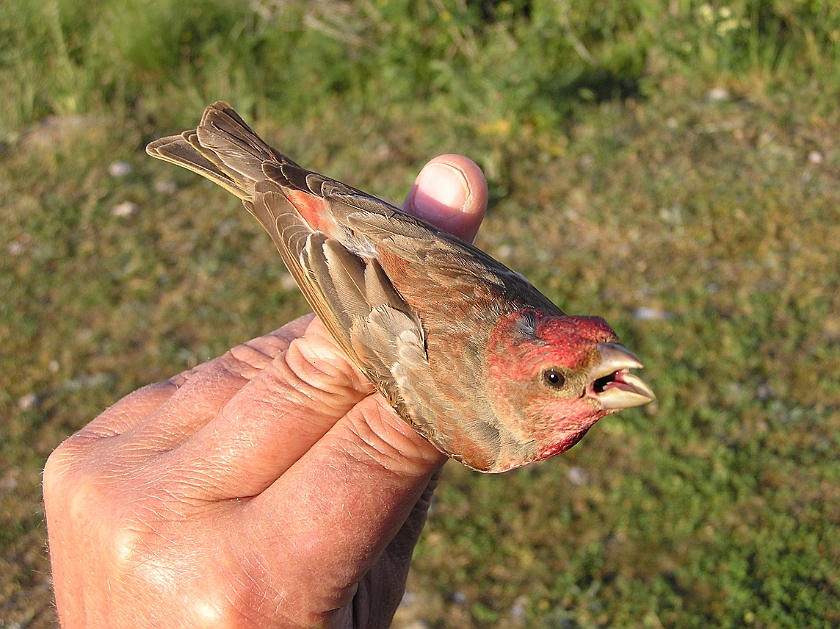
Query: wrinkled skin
270,487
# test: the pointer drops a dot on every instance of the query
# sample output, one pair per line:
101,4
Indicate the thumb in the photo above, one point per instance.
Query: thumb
451,194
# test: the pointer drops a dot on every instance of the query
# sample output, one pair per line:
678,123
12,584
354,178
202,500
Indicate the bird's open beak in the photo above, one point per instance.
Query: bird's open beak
612,384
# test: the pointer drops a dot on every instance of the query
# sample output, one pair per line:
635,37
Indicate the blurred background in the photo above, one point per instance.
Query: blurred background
671,165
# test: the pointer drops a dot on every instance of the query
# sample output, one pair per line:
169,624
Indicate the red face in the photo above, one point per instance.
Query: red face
539,369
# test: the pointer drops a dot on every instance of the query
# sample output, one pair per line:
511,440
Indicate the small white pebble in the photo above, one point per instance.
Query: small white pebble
9,481
763,392
816,157
124,209
672,215
28,402
519,609
577,476
764,139
671,123
15,248
651,314
53,366
505,252
225,228
718,94
119,169
165,186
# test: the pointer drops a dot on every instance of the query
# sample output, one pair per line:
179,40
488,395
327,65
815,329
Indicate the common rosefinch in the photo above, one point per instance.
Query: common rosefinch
467,351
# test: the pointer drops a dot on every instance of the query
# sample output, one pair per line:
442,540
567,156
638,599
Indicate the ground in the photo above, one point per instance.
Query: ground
698,212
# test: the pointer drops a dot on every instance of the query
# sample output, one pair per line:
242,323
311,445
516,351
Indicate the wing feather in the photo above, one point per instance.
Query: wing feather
334,240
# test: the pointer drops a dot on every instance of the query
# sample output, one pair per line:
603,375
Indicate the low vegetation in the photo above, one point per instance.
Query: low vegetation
673,166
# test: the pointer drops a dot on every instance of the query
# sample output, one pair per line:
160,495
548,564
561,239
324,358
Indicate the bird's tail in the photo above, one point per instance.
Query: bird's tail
222,148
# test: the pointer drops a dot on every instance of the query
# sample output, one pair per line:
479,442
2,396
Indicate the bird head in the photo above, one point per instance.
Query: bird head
553,377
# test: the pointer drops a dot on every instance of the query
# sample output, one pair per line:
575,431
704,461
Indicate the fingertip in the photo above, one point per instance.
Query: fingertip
451,193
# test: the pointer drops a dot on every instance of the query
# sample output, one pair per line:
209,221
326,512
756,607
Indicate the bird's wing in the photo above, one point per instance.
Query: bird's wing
330,237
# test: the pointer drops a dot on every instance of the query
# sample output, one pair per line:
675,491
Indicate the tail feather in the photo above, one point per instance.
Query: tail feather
237,150
177,149
223,149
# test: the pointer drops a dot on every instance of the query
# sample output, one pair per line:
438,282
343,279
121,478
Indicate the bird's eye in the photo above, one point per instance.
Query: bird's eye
554,378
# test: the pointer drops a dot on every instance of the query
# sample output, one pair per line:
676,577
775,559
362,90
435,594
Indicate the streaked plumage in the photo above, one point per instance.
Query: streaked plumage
467,351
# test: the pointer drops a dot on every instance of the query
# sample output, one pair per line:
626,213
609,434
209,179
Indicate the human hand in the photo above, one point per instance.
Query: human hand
267,487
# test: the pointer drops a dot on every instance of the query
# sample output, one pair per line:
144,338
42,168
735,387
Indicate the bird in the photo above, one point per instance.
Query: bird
466,350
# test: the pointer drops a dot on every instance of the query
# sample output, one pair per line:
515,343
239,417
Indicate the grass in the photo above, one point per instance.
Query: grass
618,184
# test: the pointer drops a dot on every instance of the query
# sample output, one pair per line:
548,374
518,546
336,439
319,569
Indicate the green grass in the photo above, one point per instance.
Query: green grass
617,184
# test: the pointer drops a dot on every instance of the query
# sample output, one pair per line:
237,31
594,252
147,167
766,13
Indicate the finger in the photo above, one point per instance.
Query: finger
381,590
450,193
343,502
164,414
129,412
274,419
402,546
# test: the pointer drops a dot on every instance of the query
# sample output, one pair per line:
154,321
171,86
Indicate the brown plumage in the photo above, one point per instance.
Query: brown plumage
467,351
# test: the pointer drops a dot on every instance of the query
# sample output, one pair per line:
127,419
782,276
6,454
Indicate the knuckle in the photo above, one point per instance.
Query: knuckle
93,500
64,464
248,359
210,609
55,472
182,578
